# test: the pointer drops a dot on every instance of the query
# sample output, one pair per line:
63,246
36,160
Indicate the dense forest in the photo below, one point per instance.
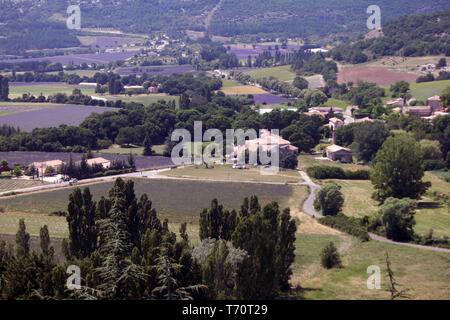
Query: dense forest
245,19
417,35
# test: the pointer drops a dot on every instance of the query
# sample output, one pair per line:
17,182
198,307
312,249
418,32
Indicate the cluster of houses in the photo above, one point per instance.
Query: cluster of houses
431,67
433,109
42,168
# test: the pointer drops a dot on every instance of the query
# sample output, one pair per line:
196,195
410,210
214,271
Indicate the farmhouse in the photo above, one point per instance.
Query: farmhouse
41,166
335,152
335,123
152,89
430,67
98,161
266,142
422,111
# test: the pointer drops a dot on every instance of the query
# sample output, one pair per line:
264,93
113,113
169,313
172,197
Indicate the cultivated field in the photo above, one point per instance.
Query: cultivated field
145,99
174,199
14,184
26,157
380,76
51,117
17,90
241,89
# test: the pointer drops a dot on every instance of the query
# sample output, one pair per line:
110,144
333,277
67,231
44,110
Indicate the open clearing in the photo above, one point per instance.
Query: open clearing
282,73
226,172
423,272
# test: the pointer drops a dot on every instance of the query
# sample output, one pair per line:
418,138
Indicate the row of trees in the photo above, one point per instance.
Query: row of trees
4,88
124,251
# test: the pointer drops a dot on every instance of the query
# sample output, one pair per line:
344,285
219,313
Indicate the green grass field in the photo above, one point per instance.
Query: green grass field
430,214
424,90
47,90
225,172
424,273
145,99
282,73
337,103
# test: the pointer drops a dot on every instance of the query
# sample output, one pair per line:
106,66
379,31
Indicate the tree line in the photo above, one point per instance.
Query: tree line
124,251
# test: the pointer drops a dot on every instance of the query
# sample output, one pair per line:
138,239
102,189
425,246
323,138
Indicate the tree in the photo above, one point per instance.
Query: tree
368,138
22,240
81,221
301,83
330,199
286,245
148,151
392,282
329,257
445,97
126,136
131,161
442,63
400,89
288,160
399,169
217,223
397,216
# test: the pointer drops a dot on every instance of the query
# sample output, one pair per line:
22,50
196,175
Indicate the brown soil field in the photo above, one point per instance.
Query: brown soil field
380,76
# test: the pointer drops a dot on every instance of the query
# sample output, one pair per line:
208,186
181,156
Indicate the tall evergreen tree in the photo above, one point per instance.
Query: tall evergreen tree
148,151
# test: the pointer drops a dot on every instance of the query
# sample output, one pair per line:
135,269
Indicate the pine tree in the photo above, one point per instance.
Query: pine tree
81,221
148,151
118,274
22,240
286,248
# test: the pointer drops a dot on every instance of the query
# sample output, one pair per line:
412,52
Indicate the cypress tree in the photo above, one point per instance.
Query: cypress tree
148,151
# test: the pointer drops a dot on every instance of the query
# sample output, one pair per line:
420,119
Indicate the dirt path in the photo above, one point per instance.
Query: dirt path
212,13
308,207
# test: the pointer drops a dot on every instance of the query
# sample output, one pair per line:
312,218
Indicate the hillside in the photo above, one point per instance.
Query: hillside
407,36
320,21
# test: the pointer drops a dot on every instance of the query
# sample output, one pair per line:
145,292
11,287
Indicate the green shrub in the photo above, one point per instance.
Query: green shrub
330,257
327,172
347,225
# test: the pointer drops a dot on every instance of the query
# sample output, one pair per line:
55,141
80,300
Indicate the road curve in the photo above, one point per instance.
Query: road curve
308,208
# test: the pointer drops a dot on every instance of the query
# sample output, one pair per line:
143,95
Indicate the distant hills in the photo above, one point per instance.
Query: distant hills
408,36
319,21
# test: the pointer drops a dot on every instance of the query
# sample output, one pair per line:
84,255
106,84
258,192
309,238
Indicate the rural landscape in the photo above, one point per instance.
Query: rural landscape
338,190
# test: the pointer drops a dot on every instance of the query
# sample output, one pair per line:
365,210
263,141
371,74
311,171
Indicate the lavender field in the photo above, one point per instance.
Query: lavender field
77,59
268,98
104,42
157,70
51,117
25,157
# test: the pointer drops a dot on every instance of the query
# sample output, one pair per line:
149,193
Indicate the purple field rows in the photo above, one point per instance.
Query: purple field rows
268,98
51,117
25,157
157,70
77,59
104,42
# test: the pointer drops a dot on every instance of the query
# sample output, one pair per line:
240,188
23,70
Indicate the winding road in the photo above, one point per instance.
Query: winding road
308,208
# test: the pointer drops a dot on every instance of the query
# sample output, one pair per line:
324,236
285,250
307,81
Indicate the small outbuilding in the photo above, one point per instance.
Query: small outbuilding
335,153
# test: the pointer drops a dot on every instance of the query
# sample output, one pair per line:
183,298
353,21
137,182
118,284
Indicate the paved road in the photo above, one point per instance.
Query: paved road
308,208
